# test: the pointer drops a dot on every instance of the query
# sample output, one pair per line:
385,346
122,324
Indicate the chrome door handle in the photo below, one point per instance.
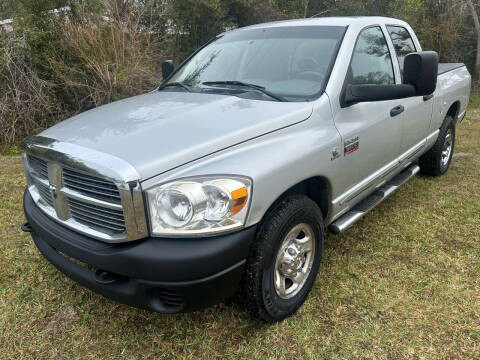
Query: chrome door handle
397,110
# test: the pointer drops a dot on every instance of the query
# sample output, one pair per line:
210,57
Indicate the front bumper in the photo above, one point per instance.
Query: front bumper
161,274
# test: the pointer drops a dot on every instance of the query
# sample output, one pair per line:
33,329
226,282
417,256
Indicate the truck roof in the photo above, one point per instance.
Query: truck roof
331,21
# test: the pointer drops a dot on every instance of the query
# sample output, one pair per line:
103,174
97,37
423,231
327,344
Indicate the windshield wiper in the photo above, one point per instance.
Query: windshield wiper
179,84
248,85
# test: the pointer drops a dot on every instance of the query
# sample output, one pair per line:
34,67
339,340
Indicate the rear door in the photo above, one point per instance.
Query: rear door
418,109
370,134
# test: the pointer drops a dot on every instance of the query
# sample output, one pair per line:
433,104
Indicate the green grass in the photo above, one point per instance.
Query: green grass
402,284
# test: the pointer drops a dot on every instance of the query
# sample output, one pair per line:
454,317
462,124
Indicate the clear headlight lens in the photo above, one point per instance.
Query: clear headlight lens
197,206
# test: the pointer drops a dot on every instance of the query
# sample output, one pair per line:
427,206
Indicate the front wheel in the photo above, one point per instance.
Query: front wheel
284,260
437,160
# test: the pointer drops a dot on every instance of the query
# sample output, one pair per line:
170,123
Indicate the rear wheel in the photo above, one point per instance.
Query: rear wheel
284,260
437,160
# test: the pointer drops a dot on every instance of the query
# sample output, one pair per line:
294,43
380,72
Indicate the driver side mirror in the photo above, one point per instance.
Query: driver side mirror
167,68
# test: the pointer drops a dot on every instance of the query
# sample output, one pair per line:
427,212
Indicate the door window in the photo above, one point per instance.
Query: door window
403,43
371,61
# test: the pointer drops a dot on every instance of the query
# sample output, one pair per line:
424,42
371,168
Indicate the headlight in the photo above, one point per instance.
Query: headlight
196,206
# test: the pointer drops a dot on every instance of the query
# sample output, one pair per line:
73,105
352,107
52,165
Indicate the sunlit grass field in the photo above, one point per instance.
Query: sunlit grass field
404,283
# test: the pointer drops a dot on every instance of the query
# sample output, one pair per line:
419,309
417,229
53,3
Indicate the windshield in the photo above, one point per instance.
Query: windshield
290,62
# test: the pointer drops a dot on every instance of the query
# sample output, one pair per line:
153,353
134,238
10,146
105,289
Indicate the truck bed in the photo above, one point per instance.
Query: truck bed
445,67
453,86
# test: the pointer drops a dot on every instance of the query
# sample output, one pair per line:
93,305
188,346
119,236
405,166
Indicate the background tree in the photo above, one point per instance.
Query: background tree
477,30
103,50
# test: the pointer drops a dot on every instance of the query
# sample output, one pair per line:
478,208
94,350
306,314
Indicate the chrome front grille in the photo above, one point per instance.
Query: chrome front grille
91,186
82,209
97,216
85,190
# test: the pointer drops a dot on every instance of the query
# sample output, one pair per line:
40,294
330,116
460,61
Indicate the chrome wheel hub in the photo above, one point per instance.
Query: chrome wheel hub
294,261
447,148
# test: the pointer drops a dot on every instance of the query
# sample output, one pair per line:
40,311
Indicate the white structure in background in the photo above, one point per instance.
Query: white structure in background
7,24
60,10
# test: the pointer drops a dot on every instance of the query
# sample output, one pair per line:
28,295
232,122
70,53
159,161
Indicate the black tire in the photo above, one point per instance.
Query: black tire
258,291
431,163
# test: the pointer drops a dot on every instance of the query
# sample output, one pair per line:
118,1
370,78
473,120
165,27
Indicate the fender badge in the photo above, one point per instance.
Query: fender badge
351,145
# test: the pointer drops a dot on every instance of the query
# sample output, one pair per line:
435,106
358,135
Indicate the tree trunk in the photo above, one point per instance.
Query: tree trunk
476,73
305,7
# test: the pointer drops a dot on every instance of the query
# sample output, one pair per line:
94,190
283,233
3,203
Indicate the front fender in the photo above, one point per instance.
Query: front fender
275,161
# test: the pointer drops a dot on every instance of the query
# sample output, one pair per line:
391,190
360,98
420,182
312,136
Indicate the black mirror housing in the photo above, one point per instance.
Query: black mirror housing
167,68
420,69
371,92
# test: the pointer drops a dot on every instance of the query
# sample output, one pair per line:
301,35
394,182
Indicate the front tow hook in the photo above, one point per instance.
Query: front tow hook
26,227
106,277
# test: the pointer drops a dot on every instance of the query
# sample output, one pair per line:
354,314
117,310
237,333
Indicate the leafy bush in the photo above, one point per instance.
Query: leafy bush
54,66
104,59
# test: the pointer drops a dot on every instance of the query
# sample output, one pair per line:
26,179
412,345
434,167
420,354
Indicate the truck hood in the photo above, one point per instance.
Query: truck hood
158,131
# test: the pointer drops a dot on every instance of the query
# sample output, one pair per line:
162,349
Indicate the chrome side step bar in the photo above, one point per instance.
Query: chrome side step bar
364,206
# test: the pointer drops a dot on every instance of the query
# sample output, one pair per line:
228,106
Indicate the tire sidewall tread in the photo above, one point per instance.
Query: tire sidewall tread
258,290
430,163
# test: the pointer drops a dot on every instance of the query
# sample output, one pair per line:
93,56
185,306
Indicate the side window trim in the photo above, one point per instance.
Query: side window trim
349,74
390,40
393,55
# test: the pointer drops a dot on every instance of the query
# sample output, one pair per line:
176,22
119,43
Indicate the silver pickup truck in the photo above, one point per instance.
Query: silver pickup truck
224,179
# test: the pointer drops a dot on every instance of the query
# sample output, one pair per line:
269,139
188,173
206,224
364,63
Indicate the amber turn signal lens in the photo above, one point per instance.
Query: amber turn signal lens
239,197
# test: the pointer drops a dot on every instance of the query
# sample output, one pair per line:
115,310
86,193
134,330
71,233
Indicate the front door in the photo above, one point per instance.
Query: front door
371,133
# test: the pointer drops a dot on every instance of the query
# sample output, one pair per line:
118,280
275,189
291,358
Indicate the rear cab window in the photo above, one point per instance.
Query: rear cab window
402,42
